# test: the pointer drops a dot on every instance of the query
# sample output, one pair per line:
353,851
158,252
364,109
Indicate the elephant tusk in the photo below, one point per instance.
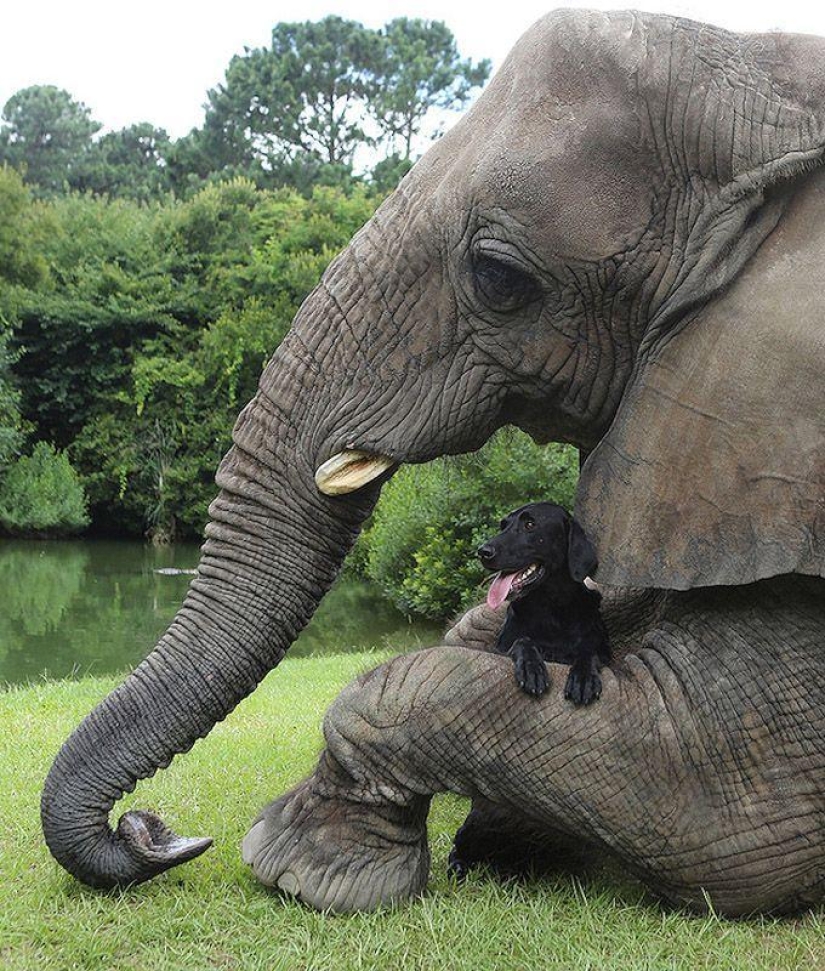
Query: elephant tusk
349,470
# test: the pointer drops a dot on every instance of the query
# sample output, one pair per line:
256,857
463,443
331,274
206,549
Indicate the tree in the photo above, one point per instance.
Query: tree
212,155
105,289
131,163
420,69
20,260
294,113
387,173
47,136
222,147
11,430
303,94
20,264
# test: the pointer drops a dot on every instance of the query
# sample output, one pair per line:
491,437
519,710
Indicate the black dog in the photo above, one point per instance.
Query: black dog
542,557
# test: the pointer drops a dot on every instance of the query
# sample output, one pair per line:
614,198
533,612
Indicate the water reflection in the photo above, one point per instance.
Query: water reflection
97,607
353,617
38,583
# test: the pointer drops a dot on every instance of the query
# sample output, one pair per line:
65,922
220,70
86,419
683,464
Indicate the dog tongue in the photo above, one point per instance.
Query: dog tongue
499,588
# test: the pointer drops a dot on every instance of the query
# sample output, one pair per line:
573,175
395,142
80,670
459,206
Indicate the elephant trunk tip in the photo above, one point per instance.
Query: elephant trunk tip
154,845
141,847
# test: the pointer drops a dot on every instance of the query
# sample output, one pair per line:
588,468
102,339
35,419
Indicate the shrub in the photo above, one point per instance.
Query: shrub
431,519
42,495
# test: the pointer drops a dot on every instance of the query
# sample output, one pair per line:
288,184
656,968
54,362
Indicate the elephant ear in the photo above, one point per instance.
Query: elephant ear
713,470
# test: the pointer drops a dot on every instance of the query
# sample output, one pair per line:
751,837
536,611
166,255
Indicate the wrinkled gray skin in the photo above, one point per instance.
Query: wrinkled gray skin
620,247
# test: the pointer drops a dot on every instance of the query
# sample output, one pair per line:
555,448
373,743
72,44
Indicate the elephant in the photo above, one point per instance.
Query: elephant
617,247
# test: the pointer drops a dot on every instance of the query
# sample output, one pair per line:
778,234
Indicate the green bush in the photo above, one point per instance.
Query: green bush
420,547
146,328
42,495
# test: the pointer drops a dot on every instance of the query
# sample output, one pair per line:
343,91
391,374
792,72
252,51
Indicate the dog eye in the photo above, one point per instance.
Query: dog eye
529,525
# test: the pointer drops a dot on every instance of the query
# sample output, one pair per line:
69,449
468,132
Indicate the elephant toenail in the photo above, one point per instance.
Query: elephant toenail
288,882
251,843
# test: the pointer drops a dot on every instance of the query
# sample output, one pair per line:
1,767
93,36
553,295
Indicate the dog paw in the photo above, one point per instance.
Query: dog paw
457,867
583,685
531,672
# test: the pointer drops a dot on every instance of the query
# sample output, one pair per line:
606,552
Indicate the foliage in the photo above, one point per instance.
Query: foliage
389,172
41,494
18,265
148,328
431,519
47,135
302,94
420,69
144,283
11,424
130,163
103,291
20,262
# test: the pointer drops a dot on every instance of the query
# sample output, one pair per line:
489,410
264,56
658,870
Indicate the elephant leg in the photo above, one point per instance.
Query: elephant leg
353,835
477,629
501,837
701,767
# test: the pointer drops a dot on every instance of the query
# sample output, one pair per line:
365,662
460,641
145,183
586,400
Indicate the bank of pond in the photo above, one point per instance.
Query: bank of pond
76,608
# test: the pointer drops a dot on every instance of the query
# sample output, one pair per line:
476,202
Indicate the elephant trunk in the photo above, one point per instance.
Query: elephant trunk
273,548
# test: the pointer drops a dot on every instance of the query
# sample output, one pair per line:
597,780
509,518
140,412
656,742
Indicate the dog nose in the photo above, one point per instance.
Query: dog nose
485,553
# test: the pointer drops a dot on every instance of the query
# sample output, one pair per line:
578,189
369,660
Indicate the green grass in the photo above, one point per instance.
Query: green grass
212,914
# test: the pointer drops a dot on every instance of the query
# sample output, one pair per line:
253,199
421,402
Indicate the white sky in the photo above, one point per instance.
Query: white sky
154,60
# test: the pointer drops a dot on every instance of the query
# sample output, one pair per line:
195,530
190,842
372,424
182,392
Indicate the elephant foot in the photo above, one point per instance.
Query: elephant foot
337,854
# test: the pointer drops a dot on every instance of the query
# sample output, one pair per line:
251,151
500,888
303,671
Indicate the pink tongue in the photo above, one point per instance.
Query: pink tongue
499,589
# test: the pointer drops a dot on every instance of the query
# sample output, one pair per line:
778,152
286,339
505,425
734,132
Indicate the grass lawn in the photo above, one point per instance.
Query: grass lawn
211,914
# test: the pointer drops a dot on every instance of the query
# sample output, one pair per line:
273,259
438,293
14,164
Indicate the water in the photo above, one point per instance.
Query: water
68,609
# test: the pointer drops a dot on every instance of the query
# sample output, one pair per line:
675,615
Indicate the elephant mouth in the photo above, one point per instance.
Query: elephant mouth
514,586
350,470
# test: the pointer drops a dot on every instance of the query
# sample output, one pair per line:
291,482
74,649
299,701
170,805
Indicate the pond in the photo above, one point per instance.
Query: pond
98,607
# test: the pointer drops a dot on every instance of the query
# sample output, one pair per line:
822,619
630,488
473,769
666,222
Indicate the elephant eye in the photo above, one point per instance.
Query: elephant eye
501,285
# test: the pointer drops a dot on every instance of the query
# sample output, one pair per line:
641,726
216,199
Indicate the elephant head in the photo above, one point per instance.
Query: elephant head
615,248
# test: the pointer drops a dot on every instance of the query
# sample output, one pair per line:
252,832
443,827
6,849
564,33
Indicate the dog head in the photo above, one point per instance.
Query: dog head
537,542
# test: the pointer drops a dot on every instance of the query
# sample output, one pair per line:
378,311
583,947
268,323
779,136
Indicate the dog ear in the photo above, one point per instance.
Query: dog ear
581,554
